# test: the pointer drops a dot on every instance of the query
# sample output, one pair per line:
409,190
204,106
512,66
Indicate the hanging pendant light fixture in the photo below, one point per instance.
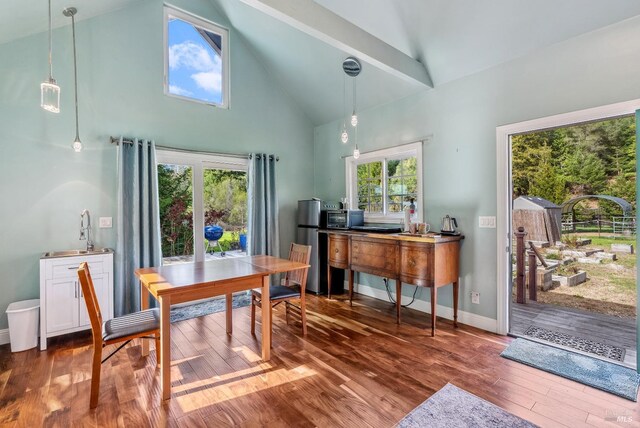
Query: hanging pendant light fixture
71,12
49,89
352,68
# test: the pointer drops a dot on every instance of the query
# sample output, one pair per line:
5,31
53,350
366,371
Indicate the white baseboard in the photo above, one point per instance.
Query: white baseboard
468,318
4,336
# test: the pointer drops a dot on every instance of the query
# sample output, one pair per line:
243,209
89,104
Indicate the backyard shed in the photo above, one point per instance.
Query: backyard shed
541,219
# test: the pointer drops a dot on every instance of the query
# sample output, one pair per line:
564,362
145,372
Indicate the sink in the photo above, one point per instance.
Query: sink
71,253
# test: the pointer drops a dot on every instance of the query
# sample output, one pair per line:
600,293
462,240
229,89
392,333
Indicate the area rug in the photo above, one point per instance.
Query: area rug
452,407
585,345
209,307
610,377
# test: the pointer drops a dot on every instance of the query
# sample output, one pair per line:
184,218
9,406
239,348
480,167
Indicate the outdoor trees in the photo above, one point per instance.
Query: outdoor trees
225,203
590,158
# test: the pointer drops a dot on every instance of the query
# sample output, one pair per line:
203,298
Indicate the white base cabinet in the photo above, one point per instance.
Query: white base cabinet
62,306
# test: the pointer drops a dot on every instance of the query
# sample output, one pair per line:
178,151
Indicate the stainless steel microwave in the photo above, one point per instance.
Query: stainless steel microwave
342,219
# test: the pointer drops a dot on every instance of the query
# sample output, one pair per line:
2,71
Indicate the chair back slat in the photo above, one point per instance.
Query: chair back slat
93,308
302,254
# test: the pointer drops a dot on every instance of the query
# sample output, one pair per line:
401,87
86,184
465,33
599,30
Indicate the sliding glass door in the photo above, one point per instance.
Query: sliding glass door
203,206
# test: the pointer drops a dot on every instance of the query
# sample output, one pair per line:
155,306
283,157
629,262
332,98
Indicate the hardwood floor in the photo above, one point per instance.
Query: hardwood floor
355,368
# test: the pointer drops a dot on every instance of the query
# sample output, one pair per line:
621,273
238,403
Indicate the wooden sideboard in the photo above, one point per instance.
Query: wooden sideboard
426,261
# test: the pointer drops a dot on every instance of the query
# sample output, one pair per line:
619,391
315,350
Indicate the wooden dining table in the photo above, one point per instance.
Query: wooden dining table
187,282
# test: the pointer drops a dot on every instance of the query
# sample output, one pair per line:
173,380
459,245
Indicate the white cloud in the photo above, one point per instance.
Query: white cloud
209,80
191,55
177,90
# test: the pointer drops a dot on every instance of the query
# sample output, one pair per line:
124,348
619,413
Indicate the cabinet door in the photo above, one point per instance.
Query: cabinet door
101,285
62,304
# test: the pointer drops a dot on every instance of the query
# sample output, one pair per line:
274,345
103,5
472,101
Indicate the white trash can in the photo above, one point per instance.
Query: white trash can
24,319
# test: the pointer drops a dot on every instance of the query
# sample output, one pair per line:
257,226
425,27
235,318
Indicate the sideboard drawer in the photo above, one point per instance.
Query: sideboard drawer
375,257
339,251
416,263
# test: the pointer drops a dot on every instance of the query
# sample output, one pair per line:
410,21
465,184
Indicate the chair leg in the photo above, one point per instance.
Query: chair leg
303,313
95,375
286,312
253,314
157,335
271,320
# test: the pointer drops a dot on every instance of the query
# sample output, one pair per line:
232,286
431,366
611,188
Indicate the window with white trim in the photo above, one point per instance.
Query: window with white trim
384,181
196,64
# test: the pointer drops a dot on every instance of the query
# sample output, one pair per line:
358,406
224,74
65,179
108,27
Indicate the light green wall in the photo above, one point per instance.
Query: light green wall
596,69
44,185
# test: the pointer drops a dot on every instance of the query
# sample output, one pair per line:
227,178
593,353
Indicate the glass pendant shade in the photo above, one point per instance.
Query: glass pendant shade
344,137
77,145
50,96
356,153
354,119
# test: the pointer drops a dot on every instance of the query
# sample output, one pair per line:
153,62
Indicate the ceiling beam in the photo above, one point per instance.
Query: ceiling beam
319,22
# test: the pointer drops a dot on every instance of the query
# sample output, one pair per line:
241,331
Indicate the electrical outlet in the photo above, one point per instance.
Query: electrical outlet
487,222
105,222
475,297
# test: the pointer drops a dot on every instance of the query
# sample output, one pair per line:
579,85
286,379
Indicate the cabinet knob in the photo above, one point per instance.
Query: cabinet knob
337,251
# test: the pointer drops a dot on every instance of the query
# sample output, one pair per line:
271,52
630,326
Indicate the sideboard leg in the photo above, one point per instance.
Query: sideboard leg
329,282
398,299
456,294
351,273
434,304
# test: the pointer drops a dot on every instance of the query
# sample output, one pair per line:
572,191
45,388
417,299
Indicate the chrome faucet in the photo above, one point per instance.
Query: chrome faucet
85,232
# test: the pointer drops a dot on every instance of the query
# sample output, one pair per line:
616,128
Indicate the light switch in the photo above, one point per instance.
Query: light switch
487,222
105,222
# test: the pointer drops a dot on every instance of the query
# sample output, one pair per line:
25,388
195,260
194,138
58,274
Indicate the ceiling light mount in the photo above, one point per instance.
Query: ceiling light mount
352,66
69,12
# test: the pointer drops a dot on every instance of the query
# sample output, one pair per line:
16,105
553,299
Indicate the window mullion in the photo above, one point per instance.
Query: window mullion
385,177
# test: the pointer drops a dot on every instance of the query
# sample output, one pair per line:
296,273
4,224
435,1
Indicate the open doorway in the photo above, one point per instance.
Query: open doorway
571,186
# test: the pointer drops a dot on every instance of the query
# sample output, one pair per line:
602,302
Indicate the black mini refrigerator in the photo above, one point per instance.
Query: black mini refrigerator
307,234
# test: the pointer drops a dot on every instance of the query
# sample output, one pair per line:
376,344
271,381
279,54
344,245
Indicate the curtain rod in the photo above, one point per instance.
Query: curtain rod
116,141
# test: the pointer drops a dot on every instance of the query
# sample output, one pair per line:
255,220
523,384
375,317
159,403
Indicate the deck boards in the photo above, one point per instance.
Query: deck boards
355,368
602,328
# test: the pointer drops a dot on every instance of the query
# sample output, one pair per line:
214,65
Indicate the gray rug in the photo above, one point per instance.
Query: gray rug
209,307
610,377
585,345
452,407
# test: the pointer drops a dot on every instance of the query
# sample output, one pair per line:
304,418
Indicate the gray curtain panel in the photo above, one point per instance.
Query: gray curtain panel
138,225
264,236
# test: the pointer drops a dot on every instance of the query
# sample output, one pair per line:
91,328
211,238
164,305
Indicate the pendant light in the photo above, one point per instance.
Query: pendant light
71,12
49,89
352,68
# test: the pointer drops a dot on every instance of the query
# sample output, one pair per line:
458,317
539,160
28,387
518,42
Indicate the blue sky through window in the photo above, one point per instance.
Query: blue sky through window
195,68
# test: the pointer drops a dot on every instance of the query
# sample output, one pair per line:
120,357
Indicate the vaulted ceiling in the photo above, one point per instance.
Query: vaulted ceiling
451,39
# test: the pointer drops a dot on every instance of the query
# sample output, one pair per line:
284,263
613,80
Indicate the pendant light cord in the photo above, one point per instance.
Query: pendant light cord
75,71
344,101
50,65
354,95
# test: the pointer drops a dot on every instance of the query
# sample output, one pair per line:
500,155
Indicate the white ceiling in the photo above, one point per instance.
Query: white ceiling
456,38
453,38
19,18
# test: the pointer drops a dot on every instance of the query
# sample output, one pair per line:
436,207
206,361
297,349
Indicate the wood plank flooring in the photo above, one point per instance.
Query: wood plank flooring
601,328
355,368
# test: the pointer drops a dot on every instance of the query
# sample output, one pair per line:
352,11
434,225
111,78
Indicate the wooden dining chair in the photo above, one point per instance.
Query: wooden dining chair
293,287
144,324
